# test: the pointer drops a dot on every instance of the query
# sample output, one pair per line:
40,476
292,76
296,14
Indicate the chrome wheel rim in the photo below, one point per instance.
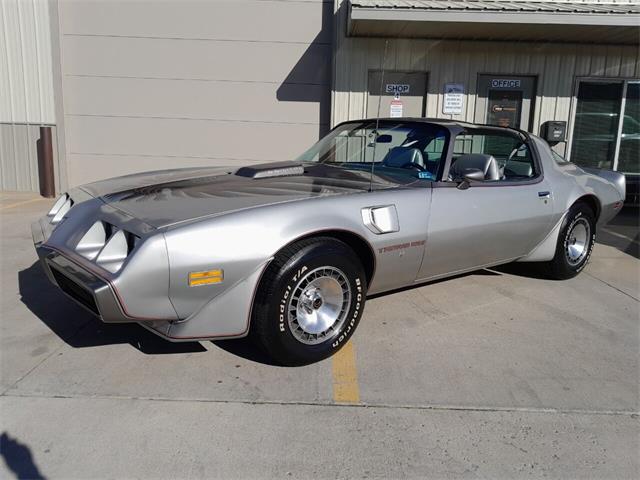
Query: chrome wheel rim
319,305
576,244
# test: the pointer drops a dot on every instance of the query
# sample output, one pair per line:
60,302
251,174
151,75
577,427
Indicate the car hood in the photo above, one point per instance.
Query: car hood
165,198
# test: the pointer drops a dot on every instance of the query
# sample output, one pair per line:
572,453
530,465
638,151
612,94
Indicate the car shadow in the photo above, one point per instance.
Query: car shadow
78,328
247,349
481,272
623,232
534,270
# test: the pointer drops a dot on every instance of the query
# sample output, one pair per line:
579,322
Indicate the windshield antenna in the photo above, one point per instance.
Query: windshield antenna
375,132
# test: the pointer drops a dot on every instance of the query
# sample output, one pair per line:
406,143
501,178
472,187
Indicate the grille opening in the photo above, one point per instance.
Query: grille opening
75,291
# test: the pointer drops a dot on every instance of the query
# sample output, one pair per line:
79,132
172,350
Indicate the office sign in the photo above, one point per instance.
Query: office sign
505,83
453,99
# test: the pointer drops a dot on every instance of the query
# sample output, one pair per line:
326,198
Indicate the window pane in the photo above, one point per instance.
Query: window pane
505,108
395,148
512,156
596,124
629,157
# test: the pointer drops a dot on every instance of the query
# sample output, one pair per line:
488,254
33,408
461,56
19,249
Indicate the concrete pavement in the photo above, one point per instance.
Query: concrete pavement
497,374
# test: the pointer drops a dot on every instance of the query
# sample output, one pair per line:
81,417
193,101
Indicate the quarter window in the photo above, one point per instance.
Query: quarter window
513,156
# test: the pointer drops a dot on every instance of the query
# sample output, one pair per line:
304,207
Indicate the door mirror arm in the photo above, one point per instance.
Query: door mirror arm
469,175
463,184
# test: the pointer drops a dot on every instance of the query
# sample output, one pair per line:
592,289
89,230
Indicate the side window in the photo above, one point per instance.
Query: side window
513,157
433,153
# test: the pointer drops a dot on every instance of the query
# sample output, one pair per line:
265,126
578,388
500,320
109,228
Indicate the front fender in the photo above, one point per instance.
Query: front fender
242,244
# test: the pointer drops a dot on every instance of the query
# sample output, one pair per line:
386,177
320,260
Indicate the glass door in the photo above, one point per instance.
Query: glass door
505,100
606,126
628,160
596,124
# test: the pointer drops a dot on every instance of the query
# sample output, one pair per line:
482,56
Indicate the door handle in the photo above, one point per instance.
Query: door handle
544,194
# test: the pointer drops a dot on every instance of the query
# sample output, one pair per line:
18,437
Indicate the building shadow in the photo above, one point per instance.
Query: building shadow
78,328
310,78
18,458
623,232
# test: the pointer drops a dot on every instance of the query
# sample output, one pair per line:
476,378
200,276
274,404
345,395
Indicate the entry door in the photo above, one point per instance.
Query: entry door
505,100
484,225
403,94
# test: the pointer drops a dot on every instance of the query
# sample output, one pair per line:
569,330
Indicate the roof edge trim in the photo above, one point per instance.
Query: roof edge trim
533,18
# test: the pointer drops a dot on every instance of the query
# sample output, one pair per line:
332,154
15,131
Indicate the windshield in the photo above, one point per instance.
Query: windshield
410,149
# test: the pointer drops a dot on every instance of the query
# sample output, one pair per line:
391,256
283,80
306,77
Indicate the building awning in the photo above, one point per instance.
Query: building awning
519,20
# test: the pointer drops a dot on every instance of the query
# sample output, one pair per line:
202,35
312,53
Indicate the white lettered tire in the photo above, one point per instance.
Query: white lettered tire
309,302
575,242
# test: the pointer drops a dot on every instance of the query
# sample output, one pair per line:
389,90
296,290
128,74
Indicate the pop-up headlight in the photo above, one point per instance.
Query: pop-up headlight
60,208
107,245
93,241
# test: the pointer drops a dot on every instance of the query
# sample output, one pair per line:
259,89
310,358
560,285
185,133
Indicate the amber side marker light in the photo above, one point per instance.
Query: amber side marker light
209,277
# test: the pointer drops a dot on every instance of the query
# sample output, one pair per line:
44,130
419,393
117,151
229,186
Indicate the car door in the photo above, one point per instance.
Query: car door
490,221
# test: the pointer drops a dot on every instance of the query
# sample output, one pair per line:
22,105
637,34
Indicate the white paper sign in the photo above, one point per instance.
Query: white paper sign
396,109
453,98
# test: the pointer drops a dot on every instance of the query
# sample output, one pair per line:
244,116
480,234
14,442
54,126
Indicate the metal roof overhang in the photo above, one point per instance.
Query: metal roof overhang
606,28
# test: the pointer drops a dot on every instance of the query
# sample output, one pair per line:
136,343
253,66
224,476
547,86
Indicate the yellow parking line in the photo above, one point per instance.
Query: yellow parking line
13,205
345,376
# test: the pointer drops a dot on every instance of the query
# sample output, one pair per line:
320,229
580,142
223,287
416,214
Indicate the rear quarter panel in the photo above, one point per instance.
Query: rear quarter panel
569,184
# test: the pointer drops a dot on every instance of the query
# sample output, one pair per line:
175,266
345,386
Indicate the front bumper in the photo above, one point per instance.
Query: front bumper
84,287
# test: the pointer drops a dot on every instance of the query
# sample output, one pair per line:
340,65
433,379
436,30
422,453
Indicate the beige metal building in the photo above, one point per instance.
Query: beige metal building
511,63
132,85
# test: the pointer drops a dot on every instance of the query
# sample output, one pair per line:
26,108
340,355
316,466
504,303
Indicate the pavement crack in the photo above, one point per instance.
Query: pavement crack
53,352
363,405
613,286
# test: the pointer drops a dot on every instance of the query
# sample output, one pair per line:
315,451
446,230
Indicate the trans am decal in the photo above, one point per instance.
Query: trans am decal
402,246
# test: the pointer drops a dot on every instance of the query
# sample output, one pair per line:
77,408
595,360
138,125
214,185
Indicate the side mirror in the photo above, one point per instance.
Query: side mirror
470,175
473,175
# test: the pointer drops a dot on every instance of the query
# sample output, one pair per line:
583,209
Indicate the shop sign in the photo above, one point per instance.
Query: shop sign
397,88
505,83
453,99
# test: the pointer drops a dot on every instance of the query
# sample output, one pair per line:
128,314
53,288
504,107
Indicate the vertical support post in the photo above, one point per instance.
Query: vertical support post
623,105
45,163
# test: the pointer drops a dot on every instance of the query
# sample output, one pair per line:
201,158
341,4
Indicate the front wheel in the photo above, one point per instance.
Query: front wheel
575,242
309,301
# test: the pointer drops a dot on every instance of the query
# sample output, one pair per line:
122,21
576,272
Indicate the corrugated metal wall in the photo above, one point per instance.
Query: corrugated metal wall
26,89
581,1
556,66
164,84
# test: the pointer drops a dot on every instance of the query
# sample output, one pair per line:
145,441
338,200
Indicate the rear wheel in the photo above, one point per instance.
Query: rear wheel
575,242
309,301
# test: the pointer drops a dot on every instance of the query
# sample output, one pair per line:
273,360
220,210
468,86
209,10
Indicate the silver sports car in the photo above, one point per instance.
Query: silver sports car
288,252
